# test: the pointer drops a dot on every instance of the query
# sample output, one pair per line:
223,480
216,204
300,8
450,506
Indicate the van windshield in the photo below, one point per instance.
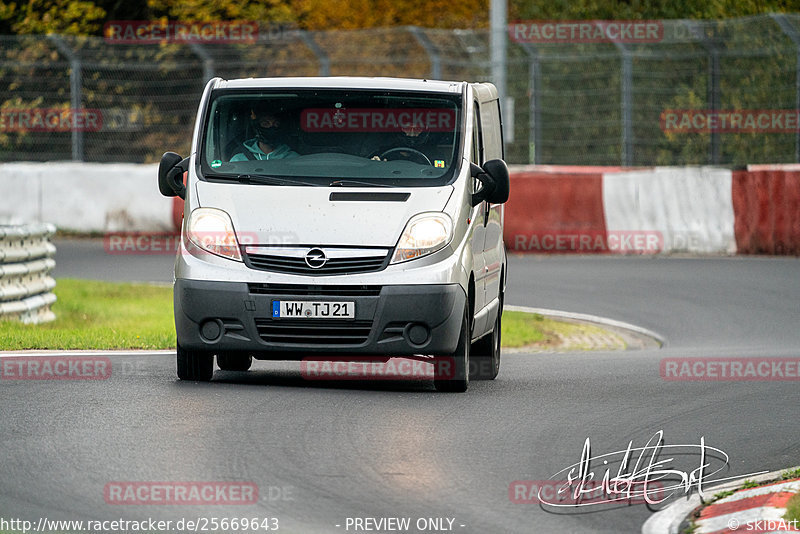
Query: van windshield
332,137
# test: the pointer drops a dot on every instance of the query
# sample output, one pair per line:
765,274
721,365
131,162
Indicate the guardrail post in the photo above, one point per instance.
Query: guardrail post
75,84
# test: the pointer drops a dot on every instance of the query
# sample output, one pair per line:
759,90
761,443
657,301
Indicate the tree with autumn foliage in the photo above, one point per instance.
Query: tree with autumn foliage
86,17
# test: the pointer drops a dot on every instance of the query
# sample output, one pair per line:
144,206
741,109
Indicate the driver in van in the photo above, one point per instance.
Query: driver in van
267,141
411,137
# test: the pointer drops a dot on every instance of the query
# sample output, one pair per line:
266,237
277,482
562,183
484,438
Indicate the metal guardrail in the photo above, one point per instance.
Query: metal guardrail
26,260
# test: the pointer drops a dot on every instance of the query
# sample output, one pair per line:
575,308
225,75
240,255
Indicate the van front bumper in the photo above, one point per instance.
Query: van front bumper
390,320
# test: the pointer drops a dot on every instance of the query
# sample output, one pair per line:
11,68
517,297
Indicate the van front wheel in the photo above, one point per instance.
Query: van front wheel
485,355
195,365
451,373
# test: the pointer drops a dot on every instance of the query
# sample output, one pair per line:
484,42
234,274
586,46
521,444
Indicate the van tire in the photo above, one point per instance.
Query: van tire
233,361
451,372
195,365
484,358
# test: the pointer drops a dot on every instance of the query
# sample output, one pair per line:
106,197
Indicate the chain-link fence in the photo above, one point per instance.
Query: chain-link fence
590,103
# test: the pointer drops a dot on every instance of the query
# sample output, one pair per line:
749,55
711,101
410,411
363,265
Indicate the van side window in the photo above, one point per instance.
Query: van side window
477,137
492,134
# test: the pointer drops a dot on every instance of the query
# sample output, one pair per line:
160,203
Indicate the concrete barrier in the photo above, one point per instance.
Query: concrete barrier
551,209
655,210
85,197
766,202
546,206
690,208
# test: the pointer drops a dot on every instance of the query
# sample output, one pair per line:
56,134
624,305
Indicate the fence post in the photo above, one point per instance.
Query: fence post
322,57
713,84
793,34
430,49
626,96
74,91
208,61
534,106
498,44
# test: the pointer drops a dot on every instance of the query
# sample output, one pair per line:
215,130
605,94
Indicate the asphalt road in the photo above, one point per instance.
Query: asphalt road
398,449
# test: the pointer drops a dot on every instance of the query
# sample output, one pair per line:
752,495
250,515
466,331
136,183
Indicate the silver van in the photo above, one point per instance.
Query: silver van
343,217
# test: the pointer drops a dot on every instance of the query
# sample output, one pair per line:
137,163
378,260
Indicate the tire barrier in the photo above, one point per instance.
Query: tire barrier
26,260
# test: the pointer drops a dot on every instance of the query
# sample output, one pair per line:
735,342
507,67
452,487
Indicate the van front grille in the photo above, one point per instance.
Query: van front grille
338,260
313,331
300,290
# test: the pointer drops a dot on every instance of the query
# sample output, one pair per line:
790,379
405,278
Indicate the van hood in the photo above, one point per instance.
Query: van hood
320,216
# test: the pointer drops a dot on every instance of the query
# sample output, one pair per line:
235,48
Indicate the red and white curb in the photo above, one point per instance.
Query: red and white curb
756,510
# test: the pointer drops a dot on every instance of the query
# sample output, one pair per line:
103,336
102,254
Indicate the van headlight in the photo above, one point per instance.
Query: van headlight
211,230
424,234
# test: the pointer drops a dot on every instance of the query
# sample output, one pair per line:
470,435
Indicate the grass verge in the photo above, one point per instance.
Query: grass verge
793,509
109,315
99,315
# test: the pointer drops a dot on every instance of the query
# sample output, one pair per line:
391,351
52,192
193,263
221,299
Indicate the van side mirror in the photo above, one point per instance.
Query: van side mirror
170,175
495,180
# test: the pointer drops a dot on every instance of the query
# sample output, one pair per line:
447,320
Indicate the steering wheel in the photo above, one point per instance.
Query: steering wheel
404,152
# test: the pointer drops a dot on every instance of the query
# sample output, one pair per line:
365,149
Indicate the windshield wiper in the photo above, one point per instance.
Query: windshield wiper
271,180
355,183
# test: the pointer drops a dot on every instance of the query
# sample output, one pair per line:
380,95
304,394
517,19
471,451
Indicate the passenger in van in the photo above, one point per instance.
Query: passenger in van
267,142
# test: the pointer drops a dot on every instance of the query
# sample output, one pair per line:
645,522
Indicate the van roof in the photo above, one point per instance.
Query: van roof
344,82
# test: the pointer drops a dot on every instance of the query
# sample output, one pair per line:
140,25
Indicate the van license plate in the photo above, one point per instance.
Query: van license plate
304,309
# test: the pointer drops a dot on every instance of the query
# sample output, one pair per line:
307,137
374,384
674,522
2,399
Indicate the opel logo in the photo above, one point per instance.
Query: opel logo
315,258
